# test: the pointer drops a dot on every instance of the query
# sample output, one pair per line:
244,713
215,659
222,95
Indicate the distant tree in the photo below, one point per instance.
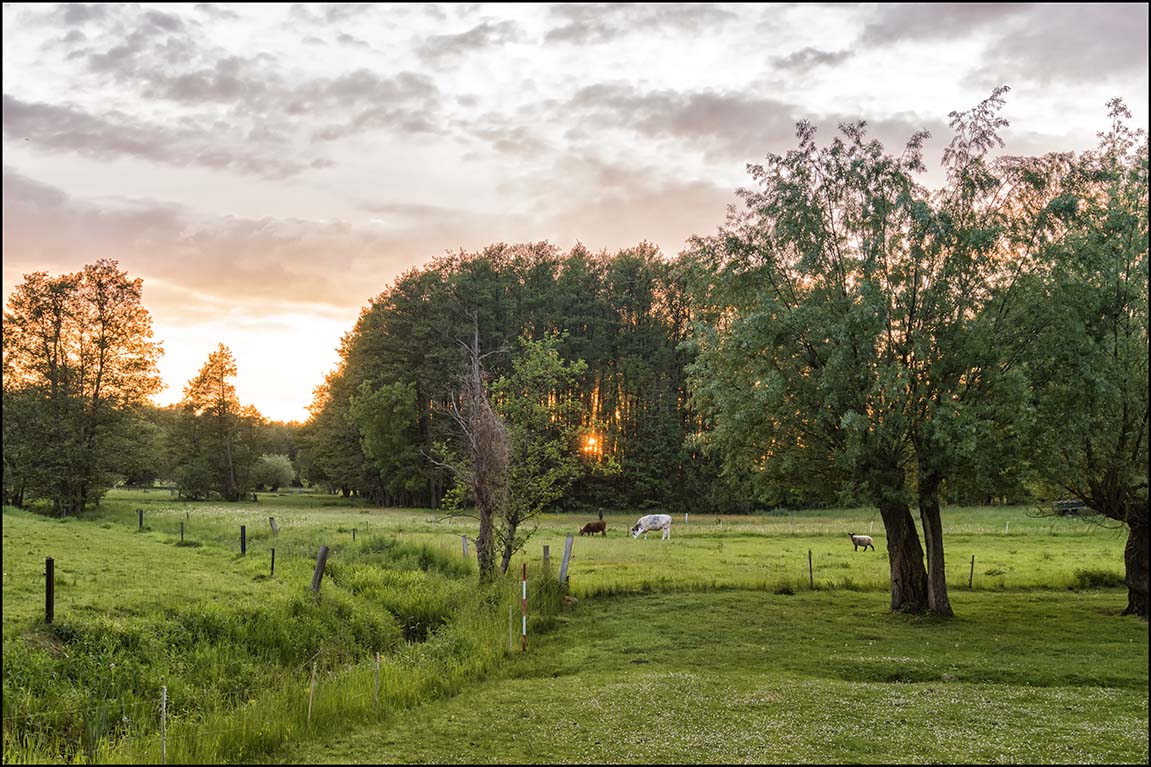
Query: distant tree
216,443
1088,352
78,357
143,450
331,454
272,471
388,421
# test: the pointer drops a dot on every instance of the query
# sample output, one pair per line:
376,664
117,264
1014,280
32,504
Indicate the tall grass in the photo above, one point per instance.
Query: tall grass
236,659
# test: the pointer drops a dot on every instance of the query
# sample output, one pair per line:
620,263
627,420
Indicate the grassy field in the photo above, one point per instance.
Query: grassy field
717,626
823,677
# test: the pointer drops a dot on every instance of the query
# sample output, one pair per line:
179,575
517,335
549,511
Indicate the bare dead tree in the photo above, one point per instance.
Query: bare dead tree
486,439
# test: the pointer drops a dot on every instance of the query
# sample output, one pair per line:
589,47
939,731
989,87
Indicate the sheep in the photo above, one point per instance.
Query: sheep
861,540
653,522
591,528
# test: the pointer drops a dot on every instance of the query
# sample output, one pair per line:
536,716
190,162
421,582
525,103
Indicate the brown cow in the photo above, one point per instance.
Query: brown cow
591,528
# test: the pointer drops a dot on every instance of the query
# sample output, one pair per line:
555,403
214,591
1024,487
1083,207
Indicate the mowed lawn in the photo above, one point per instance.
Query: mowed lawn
825,676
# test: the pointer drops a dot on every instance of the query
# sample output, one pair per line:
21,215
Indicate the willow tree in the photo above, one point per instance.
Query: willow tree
79,361
855,326
1089,354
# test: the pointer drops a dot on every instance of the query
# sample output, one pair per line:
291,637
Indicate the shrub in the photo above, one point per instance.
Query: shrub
1098,579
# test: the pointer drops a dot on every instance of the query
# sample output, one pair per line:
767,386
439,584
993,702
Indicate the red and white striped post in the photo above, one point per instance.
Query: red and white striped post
524,607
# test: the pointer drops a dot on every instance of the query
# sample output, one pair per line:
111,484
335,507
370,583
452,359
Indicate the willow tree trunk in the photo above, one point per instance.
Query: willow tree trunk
1135,559
908,576
937,600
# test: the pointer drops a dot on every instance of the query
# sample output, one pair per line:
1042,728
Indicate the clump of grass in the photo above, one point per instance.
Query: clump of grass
401,555
1097,578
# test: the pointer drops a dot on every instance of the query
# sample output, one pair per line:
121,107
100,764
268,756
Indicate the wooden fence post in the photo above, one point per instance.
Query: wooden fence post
353,535
243,540
547,557
273,573
321,563
311,692
376,692
181,532
810,571
272,522
49,589
140,514
464,543
566,561
971,577
164,724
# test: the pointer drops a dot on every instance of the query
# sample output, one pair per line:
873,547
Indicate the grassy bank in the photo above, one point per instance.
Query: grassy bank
234,645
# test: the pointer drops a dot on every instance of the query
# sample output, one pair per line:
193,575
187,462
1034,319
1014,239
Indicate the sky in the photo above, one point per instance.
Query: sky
268,169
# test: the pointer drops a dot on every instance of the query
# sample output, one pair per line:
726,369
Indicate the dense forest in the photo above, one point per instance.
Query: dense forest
625,315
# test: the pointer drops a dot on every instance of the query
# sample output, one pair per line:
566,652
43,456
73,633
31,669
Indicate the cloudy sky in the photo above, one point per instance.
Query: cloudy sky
268,169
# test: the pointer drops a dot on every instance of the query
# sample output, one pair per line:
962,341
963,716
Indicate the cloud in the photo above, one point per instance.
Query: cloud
216,12
1072,43
582,23
902,22
806,59
246,114
115,134
343,38
719,123
407,103
229,257
444,48
75,14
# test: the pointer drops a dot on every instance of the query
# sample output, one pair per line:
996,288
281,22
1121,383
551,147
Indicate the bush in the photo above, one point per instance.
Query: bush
1098,579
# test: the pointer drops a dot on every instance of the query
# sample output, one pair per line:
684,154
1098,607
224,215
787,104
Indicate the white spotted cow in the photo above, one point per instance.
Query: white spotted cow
653,522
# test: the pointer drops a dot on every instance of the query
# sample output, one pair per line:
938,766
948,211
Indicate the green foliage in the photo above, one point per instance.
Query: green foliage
78,359
1087,352
625,315
1096,578
542,418
272,471
387,419
215,440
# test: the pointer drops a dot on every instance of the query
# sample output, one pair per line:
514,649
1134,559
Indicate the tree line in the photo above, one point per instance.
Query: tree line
848,336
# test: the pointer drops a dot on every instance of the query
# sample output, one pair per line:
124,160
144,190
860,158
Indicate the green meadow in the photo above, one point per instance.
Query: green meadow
711,647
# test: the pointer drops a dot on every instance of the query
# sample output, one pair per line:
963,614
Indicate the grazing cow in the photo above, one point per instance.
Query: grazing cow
591,528
861,540
653,522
